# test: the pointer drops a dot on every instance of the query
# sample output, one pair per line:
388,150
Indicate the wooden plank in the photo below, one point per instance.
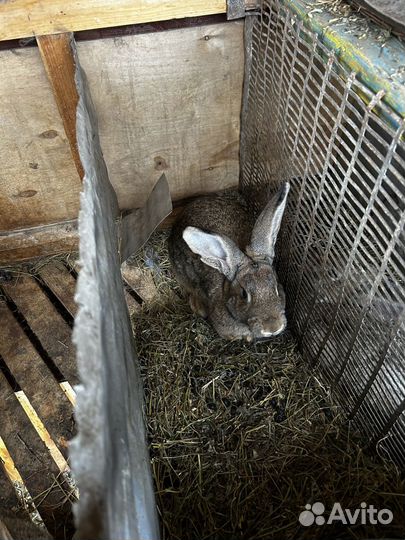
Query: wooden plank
63,284
46,323
182,88
57,56
140,280
34,242
36,380
15,478
31,458
8,497
54,239
23,18
133,306
177,98
39,183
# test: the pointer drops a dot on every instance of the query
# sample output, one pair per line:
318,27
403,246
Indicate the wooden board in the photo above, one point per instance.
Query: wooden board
8,497
46,323
139,280
55,239
22,18
38,241
62,283
35,379
31,458
57,57
168,102
39,183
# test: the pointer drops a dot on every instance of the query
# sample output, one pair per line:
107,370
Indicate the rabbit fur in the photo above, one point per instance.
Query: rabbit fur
224,261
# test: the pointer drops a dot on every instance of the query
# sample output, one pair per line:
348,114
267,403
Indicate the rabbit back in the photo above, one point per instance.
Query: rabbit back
227,214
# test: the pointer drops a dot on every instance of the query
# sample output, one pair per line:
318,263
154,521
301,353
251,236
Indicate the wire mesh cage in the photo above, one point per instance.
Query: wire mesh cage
309,118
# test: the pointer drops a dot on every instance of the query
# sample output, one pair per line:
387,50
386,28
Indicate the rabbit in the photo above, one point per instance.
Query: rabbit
223,259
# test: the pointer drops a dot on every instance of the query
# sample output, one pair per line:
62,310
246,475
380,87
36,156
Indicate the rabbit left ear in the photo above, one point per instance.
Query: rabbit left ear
217,251
267,226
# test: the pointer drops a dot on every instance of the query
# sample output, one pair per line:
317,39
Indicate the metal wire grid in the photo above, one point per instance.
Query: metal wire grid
342,247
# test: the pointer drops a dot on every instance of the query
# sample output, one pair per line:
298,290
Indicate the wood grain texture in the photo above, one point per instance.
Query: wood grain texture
62,283
168,102
32,460
23,18
46,323
140,281
35,242
57,57
35,379
38,180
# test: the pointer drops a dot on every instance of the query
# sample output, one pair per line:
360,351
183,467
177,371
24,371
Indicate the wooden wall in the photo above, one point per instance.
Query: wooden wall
167,101
38,180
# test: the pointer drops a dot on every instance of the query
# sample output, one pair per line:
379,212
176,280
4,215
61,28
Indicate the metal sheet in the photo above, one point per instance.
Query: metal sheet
109,455
136,226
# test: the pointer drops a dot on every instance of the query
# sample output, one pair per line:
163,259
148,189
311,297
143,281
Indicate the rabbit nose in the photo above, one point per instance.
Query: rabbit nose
273,327
266,333
267,329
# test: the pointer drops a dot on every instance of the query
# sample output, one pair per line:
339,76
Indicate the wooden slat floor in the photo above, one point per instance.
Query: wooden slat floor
37,378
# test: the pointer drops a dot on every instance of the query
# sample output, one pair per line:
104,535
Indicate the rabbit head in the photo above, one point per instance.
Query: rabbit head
250,291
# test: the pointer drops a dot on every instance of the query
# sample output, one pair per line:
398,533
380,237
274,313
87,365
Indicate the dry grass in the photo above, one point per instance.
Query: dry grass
356,22
243,436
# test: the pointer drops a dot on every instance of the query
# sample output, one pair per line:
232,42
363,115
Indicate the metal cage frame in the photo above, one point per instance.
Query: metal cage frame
326,111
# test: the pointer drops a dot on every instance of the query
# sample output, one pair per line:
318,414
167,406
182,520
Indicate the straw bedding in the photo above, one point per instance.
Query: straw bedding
242,436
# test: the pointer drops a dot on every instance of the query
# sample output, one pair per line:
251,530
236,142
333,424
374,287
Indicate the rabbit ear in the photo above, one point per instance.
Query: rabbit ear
217,251
265,231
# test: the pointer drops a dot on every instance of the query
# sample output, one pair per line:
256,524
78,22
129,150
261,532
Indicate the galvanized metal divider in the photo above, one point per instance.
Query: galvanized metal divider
329,117
109,456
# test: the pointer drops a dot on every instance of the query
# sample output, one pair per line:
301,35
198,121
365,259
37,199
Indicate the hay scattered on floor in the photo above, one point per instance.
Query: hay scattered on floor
354,20
243,436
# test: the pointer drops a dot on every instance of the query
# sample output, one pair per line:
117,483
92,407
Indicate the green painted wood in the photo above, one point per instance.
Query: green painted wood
378,67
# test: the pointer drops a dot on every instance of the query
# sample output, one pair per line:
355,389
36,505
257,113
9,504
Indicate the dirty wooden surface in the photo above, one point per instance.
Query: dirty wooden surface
176,105
57,57
58,278
33,462
166,101
45,321
109,455
35,379
39,183
26,354
25,244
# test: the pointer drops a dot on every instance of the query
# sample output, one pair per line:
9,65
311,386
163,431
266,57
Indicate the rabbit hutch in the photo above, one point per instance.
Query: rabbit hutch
123,414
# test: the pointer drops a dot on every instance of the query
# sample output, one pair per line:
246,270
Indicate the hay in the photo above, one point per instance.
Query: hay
351,18
243,436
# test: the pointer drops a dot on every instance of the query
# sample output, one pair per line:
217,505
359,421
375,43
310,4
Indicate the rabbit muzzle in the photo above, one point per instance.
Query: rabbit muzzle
267,329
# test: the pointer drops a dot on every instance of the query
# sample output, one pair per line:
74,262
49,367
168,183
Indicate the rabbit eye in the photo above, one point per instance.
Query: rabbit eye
244,294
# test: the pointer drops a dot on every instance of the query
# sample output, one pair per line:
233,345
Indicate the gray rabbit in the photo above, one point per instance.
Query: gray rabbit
224,259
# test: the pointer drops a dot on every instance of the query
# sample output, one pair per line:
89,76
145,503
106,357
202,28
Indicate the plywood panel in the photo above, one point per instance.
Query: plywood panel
39,183
169,102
